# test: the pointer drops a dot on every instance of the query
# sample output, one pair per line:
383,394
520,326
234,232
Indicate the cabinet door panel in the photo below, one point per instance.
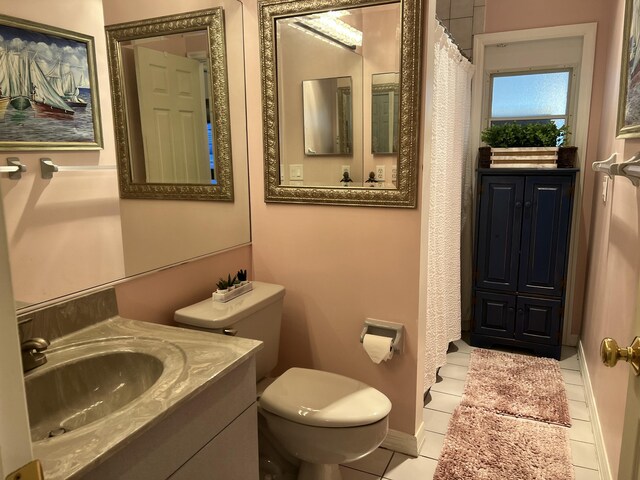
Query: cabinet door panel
494,314
499,222
232,454
545,232
538,320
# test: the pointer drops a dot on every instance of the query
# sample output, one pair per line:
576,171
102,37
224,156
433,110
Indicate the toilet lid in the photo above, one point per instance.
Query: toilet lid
324,399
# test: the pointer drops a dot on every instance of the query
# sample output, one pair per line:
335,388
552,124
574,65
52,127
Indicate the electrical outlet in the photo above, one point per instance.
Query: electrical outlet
380,173
295,172
394,174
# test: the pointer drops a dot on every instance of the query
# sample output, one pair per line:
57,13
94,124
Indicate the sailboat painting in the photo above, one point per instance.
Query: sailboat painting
48,88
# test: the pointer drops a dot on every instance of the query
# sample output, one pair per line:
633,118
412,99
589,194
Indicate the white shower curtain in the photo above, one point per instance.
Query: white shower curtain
446,178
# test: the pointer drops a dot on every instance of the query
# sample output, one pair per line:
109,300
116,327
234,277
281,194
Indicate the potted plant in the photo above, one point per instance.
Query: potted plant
223,286
242,276
537,143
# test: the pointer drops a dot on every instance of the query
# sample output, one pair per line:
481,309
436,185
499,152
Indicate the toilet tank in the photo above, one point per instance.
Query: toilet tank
256,314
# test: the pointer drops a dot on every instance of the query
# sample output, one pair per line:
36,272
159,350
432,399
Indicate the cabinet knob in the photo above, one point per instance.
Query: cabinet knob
518,204
527,204
520,311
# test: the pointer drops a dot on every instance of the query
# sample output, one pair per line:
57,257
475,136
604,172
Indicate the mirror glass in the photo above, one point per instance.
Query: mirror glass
340,54
385,103
169,82
327,116
73,232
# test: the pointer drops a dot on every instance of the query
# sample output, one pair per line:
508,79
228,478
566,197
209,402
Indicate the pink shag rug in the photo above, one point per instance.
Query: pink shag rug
517,385
483,445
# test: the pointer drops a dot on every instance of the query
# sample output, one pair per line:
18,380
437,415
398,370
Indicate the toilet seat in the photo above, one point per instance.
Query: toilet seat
324,399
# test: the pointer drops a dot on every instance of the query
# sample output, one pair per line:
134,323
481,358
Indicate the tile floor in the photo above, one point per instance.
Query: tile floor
445,395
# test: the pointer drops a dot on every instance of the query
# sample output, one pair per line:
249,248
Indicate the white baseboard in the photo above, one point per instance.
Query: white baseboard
405,442
603,460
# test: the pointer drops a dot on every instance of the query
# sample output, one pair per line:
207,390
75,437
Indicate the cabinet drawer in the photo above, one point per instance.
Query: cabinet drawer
494,314
538,320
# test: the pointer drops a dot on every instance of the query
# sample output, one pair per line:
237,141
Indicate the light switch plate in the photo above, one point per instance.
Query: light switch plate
295,171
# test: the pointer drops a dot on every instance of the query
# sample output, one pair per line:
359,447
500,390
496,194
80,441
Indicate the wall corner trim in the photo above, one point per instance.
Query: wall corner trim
404,442
603,459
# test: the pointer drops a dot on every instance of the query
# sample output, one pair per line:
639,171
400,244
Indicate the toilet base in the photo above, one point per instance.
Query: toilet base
319,471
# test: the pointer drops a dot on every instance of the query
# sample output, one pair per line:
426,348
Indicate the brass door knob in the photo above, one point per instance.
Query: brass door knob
610,353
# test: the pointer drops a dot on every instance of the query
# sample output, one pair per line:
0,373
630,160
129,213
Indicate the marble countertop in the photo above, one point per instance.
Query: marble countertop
192,360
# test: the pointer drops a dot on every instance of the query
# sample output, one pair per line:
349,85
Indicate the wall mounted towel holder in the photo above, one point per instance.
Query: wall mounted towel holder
48,168
629,169
14,168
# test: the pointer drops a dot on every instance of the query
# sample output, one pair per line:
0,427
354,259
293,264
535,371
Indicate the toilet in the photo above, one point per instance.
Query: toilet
318,419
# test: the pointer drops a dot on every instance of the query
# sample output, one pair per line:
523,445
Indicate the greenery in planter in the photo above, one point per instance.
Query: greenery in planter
509,135
242,275
229,282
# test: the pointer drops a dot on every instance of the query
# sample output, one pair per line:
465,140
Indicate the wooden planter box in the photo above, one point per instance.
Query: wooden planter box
527,157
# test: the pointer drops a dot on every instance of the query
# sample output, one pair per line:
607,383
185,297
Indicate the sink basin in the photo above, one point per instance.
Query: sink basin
88,382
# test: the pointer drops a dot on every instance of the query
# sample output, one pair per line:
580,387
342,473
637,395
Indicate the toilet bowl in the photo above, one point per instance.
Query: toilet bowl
324,419
319,418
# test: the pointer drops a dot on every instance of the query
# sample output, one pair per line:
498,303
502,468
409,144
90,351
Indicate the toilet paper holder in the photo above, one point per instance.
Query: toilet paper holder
384,329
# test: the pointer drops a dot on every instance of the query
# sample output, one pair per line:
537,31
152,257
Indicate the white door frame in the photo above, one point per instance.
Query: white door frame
15,439
587,31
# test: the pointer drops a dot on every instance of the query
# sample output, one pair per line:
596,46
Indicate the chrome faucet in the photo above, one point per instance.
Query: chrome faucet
32,355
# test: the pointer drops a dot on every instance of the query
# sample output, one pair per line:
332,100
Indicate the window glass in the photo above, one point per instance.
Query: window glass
530,95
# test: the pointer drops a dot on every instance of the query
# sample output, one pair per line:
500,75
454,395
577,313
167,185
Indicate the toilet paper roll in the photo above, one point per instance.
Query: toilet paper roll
378,347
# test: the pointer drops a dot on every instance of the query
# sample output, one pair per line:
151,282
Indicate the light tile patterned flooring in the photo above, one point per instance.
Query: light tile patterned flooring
445,395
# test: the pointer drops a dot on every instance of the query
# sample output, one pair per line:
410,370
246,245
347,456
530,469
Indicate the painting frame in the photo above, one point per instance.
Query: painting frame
628,125
63,111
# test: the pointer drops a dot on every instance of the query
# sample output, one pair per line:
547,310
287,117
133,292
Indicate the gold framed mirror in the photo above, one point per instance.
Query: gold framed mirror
171,107
365,38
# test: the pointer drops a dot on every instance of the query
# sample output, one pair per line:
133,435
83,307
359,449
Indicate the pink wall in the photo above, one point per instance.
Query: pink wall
608,235
154,298
610,298
339,266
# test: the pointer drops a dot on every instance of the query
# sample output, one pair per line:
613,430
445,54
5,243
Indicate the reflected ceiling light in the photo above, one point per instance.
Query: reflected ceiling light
329,26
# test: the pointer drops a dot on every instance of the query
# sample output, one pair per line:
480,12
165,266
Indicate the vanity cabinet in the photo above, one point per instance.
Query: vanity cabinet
213,435
523,227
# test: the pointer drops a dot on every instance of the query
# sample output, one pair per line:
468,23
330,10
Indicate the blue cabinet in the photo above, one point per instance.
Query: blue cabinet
522,239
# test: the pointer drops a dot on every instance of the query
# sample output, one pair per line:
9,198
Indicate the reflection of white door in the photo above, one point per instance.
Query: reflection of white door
172,113
630,453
